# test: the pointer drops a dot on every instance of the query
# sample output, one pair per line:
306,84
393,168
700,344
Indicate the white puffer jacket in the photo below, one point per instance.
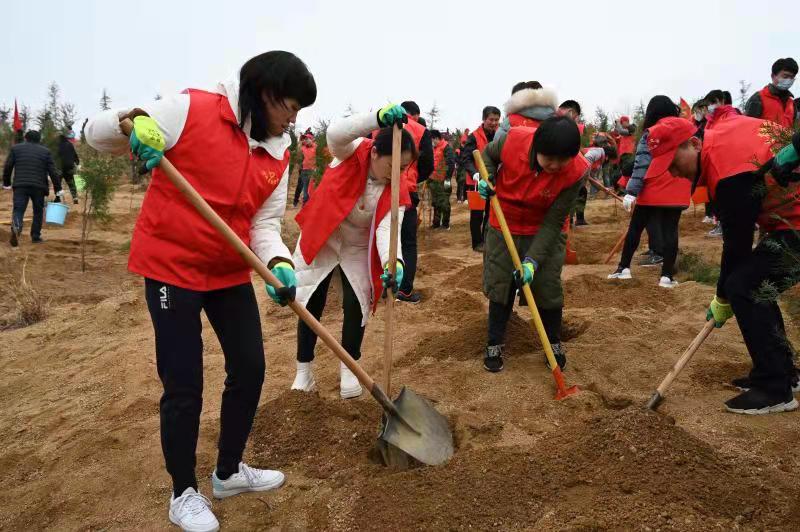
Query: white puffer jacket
349,244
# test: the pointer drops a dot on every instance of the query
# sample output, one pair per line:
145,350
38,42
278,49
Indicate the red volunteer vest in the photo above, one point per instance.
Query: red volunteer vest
525,194
776,110
481,140
738,145
597,164
439,163
626,144
171,242
518,120
411,174
309,156
332,202
665,191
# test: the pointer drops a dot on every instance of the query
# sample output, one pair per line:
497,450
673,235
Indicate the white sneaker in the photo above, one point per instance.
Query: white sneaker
349,386
708,220
624,273
304,379
666,282
247,479
192,512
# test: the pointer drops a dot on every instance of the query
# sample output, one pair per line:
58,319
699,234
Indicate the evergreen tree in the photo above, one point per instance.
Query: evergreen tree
601,119
105,101
433,116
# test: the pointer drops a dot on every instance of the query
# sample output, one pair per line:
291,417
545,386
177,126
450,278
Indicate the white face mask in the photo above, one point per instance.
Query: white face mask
712,108
698,116
785,84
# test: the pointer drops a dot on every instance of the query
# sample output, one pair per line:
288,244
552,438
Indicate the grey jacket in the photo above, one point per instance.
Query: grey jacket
641,163
538,104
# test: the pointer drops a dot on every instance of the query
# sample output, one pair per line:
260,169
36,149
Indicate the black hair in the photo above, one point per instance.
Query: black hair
715,96
571,104
525,85
33,136
786,63
277,75
411,107
383,143
657,108
727,99
557,136
490,110
421,121
436,134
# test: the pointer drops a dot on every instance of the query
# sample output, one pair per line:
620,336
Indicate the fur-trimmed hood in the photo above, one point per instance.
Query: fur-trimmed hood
527,98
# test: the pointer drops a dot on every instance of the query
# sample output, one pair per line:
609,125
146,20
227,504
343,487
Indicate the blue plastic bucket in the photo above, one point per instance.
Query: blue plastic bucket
56,213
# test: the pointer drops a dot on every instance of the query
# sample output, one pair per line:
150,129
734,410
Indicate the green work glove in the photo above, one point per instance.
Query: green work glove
285,274
786,162
146,141
720,310
484,189
387,280
392,114
526,277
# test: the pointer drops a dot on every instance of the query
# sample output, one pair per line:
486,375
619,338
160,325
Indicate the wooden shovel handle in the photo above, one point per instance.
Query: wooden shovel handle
687,355
604,188
254,262
388,338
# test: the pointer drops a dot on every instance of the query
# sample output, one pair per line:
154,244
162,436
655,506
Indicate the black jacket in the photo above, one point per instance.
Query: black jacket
31,163
67,155
470,145
425,160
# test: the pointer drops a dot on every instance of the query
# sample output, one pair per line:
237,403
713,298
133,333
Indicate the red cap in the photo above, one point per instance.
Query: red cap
663,140
624,119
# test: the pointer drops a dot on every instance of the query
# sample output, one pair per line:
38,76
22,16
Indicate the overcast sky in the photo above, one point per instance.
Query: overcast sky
460,55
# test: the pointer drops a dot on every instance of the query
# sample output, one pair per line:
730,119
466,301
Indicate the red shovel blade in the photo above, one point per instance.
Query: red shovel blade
561,388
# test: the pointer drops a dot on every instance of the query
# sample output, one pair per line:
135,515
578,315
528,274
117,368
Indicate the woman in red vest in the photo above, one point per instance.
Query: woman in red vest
659,203
539,173
308,148
727,160
478,140
345,230
231,145
774,102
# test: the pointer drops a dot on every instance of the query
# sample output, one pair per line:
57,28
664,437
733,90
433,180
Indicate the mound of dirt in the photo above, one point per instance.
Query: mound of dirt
325,436
469,278
591,291
433,263
457,307
617,469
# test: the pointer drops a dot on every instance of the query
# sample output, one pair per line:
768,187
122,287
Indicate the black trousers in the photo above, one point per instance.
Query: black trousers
303,181
352,331
461,191
68,175
745,271
20,205
667,219
500,313
408,243
233,313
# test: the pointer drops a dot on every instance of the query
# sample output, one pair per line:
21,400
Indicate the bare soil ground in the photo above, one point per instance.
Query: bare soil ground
79,411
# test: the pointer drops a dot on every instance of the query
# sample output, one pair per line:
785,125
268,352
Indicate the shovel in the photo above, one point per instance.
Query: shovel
411,424
536,322
390,293
658,395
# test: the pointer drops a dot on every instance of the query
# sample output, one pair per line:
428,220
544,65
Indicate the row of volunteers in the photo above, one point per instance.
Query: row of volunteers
231,144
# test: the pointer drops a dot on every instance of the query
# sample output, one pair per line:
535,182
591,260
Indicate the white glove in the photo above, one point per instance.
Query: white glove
628,202
60,193
476,176
6,188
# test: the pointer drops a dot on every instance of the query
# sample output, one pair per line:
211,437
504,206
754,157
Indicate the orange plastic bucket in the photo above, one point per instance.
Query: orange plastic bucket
476,202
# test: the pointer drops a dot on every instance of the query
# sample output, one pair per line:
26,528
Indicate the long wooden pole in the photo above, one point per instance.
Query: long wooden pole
389,319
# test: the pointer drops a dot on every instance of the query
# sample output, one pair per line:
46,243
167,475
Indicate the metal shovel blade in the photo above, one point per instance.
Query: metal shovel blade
418,429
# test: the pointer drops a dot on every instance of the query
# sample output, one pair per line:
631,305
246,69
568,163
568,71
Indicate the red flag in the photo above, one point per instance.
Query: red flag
17,121
686,111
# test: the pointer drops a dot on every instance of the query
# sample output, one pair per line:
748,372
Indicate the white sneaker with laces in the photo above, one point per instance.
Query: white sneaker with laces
349,386
624,273
192,512
247,479
304,378
666,282
708,220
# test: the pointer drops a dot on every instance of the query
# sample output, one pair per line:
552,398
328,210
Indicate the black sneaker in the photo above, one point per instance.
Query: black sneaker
561,356
756,402
647,253
581,222
651,260
39,240
493,360
744,384
408,298
14,237
75,201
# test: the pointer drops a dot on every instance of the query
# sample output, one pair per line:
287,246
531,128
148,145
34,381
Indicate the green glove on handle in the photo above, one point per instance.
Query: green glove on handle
146,141
392,114
484,189
720,310
285,274
528,269
387,280
786,162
